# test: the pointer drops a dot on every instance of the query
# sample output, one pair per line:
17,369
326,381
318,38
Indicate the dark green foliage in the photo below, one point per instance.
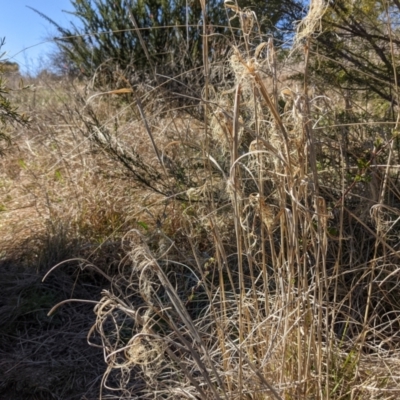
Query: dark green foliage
171,30
356,46
8,112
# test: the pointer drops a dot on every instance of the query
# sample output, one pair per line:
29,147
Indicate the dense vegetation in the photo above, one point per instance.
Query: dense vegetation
238,240
8,111
159,35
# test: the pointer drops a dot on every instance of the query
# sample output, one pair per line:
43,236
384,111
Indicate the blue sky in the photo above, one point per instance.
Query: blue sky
25,31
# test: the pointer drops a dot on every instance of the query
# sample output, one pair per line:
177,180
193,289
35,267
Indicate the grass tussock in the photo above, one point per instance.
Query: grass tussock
251,253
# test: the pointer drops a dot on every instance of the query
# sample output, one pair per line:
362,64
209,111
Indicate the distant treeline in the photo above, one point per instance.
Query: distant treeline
8,66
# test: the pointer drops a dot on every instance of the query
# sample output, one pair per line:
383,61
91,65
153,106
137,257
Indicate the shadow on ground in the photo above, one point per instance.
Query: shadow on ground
44,357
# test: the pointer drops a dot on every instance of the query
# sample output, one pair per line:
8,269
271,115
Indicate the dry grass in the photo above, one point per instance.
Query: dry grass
56,205
248,255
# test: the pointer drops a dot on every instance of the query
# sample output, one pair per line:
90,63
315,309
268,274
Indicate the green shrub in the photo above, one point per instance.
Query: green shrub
155,38
8,112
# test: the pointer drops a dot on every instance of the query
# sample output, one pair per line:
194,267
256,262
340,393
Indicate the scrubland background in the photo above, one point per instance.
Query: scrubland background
211,214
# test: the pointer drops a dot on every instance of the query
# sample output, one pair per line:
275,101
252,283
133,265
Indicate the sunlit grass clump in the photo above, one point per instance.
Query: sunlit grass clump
246,241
